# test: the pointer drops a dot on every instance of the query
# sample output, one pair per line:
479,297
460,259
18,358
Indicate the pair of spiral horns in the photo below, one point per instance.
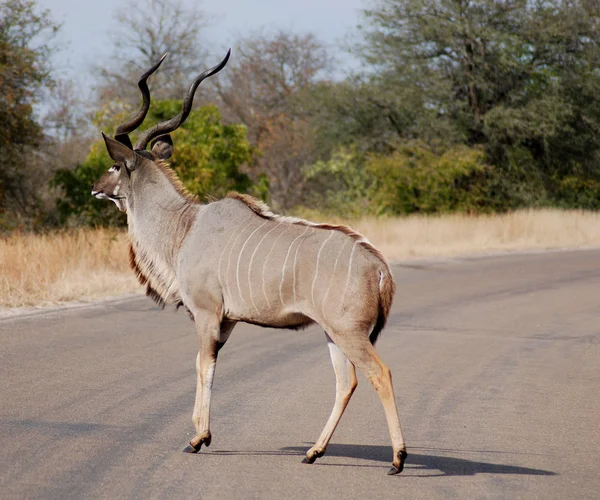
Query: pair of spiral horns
168,126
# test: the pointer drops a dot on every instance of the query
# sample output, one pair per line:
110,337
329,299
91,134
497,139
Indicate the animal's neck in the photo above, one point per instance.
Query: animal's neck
159,218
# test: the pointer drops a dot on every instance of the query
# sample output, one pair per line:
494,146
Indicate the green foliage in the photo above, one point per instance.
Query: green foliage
417,179
340,186
516,81
413,178
207,156
578,190
460,105
517,78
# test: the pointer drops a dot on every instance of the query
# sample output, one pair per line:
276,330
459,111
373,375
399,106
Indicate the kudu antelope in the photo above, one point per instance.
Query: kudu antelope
234,260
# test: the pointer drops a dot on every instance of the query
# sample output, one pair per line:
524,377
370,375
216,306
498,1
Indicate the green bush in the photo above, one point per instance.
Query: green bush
340,186
576,192
417,179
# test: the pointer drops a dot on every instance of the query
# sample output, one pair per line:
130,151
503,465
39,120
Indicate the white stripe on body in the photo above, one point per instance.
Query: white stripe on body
312,290
252,259
294,269
221,259
265,265
332,278
237,271
285,262
349,271
230,252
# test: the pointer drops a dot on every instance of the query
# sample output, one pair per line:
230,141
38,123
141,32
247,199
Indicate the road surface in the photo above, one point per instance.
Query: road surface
496,366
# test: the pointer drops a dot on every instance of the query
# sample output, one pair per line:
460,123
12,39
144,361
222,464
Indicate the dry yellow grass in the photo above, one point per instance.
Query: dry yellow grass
90,264
451,235
67,266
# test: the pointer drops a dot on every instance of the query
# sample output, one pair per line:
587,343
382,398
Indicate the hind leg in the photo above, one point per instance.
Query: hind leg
345,376
360,352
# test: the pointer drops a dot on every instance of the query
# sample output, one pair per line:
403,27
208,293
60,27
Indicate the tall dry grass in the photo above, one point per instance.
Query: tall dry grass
67,266
90,264
450,235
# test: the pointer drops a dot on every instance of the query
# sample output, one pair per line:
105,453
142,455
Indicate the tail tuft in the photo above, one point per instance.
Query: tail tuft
387,288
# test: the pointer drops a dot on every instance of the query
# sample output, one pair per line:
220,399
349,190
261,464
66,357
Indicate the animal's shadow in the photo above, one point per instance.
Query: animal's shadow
446,465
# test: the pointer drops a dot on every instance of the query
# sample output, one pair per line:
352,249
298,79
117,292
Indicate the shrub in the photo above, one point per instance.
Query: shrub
416,178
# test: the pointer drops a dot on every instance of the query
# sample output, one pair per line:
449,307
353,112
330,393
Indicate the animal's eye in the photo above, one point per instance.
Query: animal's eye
114,168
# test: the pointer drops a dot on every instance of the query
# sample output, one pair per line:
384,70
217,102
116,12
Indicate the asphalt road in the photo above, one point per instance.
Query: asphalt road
496,366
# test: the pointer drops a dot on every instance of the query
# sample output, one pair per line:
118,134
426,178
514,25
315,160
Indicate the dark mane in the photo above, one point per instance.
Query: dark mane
170,174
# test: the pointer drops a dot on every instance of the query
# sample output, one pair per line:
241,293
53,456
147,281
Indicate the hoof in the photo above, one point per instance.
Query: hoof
398,469
205,440
393,471
191,449
311,459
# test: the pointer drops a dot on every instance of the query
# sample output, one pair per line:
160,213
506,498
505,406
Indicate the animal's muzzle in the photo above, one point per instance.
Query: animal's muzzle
103,196
100,195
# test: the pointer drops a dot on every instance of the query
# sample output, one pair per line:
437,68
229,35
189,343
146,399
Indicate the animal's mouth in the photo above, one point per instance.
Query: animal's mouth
118,200
103,196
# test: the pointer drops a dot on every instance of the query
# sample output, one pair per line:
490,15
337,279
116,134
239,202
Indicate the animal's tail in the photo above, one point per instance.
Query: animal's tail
387,288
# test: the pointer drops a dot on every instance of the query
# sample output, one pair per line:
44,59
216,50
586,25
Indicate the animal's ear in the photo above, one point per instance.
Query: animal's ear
121,153
162,146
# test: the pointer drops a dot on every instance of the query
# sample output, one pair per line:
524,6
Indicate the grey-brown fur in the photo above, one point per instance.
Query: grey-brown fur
234,260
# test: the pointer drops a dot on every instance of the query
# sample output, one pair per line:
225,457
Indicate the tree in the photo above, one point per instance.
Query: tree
264,88
25,48
143,32
370,116
517,77
464,55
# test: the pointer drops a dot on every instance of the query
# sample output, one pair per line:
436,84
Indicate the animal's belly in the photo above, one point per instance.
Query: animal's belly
272,302
272,319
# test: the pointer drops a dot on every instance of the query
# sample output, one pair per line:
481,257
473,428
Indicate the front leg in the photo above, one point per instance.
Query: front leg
202,426
211,337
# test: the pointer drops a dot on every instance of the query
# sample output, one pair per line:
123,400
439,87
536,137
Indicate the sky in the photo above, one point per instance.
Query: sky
85,35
